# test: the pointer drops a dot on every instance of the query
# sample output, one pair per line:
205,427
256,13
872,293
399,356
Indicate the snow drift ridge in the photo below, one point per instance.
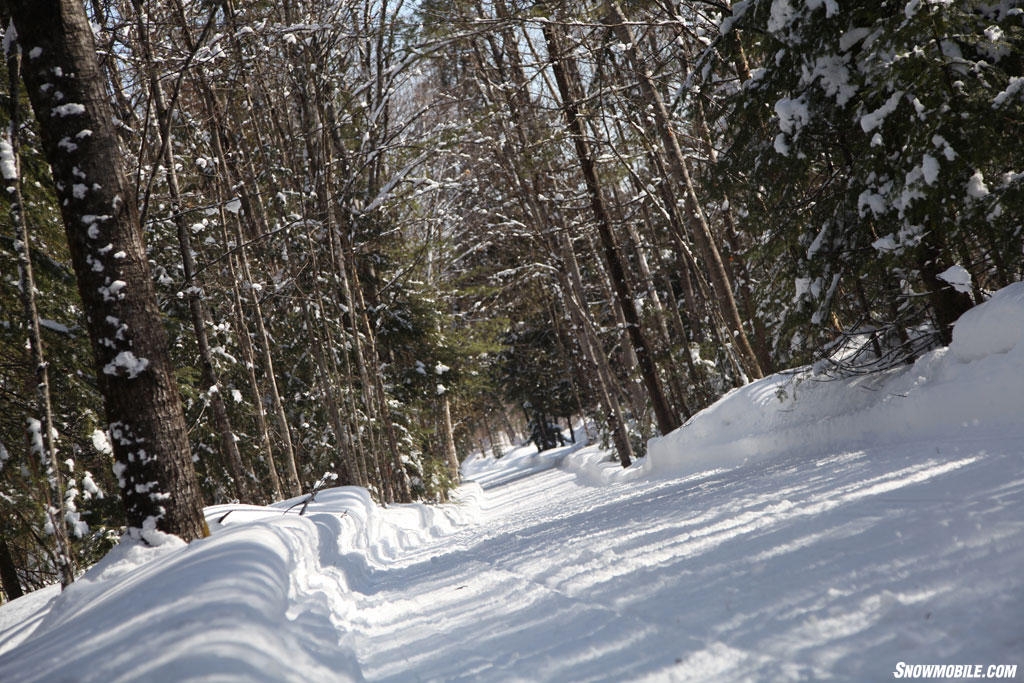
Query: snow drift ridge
962,391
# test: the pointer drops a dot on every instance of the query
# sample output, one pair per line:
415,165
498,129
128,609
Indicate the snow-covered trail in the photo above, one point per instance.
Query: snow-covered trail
837,566
802,527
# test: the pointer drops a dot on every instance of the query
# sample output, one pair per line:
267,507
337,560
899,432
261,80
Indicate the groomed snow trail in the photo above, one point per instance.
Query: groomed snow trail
802,527
838,566
834,566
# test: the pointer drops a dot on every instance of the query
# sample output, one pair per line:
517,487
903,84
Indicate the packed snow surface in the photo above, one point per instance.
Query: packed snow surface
797,529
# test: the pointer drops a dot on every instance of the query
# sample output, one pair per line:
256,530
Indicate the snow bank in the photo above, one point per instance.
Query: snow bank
591,463
996,327
217,608
357,523
266,597
597,466
964,391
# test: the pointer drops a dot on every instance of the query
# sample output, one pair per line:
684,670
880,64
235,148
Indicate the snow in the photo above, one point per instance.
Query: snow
831,6
976,187
793,114
89,219
66,145
252,603
874,119
35,432
852,37
112,291
965,391
782,15
10,39
834,77
126,363
69,109
993,330
871,200
947,149
885,244
800,528
957,276
1015,85
817,243
801,286
54,325
781,146
91,490
930,168
8,165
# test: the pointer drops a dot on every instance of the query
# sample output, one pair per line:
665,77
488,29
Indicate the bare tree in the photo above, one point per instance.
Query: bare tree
42,434
567,79
681,174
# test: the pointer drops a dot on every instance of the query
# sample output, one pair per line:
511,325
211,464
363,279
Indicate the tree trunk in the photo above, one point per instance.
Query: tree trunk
348,477
53,487
450,455
946,304
400,478
9,573
248,355
572,287
147,425
219,138
193,291
565,77
762,347
344,255
680,171
291,471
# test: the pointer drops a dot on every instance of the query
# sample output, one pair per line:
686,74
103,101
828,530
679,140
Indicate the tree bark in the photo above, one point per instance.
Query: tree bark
9,573
147,425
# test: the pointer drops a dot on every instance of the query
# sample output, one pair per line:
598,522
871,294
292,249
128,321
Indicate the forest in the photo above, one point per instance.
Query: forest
252,249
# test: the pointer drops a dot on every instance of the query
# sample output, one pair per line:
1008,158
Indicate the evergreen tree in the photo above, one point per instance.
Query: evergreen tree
870,150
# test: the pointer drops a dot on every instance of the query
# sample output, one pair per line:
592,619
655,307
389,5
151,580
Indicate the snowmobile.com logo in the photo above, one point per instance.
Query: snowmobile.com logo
904,670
